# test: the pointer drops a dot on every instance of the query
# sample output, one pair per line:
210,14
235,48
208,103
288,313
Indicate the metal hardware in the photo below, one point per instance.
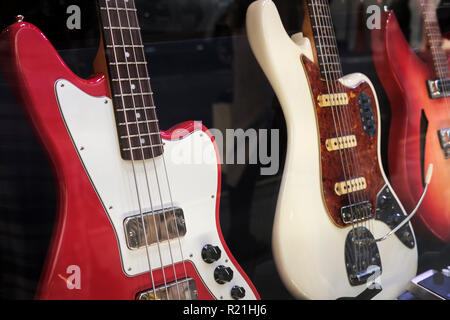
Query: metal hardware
356,212
444,139
169,220
438,88
389,211
341,143
332,100
185,289
362,258
350,186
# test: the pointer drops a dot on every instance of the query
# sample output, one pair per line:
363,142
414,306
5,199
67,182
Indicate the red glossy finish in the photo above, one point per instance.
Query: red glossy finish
404,75
83,234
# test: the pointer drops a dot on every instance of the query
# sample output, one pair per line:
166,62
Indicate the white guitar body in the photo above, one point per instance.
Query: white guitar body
308,247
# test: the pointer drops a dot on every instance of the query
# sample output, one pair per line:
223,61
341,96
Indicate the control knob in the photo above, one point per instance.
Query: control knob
211,253
223,274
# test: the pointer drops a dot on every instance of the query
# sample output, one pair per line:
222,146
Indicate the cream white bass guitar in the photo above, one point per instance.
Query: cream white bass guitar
340,230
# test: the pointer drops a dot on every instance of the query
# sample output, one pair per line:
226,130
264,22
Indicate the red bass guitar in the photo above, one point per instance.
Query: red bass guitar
420,129
137,219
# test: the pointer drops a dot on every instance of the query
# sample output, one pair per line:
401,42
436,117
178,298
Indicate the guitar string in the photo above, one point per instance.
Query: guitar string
354,211
132,155
141,147
348,117
343,113
335,74
440,59
154,160
165,167
320,39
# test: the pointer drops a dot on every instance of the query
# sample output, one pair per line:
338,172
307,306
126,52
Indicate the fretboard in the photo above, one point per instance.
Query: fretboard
137,124
325,42
434,38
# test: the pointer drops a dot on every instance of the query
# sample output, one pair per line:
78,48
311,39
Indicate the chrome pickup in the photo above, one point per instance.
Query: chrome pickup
160,226
444,138
438,88
182,290
356,212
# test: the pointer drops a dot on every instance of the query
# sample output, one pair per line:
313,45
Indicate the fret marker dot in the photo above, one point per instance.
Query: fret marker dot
143,141
127,54
138,115
133,87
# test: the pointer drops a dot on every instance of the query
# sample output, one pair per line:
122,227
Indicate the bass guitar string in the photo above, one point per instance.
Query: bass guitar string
315,15
154,160
141,147
131,152
348,118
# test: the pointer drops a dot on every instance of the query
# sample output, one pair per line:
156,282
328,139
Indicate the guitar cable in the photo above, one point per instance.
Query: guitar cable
427,182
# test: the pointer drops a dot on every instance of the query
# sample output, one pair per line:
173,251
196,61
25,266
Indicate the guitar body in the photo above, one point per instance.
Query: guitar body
309,242
74,121
416,119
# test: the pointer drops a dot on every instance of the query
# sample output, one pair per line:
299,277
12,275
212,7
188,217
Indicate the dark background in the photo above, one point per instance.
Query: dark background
193,48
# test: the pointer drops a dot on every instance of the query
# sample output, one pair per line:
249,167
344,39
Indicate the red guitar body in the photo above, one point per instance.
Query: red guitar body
83,234
404,75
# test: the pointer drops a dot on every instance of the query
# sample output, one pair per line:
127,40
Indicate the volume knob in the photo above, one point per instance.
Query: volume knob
237,292
223,274
211,253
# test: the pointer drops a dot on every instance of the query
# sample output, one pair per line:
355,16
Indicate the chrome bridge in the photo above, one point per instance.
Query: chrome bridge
185,289
160,225
444,138
439,88
356,212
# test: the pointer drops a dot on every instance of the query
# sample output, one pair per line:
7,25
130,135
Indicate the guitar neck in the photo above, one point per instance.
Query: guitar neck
318,27
434,38
137,123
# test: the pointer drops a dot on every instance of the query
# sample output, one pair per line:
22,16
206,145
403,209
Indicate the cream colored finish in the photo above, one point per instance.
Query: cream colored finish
308,248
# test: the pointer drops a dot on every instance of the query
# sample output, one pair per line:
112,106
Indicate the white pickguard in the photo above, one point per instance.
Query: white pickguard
308,248
193,187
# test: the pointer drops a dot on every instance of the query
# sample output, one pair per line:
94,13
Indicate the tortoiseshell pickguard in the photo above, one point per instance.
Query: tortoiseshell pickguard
364,156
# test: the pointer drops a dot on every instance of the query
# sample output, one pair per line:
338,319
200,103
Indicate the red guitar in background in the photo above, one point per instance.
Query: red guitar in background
419,94
133,221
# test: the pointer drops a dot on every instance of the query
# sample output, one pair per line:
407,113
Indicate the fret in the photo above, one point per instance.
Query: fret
135,111
126,63
139,135
144,147
122,28
131,79
112,46
137,122
118,9
325,40
138,108
118,95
